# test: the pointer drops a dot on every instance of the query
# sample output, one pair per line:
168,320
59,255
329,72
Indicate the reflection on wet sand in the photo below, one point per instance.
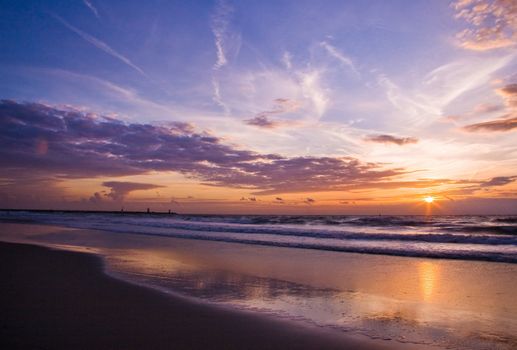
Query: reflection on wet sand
162,270
429,275
458,304
378,316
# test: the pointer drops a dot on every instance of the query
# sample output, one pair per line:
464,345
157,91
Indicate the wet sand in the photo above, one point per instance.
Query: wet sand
54,299
232,295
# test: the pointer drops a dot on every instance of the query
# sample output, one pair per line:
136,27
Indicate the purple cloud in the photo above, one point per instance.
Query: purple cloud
262,121
497,125
82,145
499,181
391,139
281,106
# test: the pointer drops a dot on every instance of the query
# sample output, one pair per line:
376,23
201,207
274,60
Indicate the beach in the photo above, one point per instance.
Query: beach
99,289
62,300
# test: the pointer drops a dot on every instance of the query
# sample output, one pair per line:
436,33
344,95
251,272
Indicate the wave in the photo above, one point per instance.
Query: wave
330,234
475,238
397,249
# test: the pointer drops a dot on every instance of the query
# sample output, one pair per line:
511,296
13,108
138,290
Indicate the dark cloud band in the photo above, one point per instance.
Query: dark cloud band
38,141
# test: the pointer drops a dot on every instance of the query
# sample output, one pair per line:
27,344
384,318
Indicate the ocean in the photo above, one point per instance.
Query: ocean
488,238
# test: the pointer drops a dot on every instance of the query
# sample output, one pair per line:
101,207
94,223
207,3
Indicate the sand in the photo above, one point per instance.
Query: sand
53,299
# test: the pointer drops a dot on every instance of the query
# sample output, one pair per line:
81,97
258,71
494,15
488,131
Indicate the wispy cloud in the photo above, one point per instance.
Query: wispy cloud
341,57
220,22
108,89
287,59
282,105
100,45
312,89
91,7
391,139
227,42
414,109
216,96
426,101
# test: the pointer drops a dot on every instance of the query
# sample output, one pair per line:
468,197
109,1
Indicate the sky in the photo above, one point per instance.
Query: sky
278,107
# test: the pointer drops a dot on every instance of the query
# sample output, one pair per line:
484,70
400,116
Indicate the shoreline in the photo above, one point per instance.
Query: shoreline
60,299
360,301
455,243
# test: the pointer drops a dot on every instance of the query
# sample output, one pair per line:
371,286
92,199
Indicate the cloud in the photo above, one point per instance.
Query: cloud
287,60
282,105
120,189
86,145
96,198
506,122
510,89
413,109
100,45
498,181
223,37
309,201
262,121
486,108
492,23
509,94
341,57
497,125
480,109
312,90
216,96
278,200
91,7
391,139
227,43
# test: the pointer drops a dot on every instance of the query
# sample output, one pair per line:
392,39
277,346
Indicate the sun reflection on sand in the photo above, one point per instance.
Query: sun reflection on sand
428,274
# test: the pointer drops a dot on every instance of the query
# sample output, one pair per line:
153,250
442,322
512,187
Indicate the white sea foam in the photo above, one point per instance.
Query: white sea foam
455,237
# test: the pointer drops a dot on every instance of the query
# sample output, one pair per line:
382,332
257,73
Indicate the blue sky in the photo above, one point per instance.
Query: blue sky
407,84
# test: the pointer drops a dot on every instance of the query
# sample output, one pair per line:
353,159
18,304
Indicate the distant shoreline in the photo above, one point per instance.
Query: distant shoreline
166,213
92,211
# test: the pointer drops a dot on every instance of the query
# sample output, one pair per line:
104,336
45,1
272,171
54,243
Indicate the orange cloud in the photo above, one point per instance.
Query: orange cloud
492,24
493,125
506,122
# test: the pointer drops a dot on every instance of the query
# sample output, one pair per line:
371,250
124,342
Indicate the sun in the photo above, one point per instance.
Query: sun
429,199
